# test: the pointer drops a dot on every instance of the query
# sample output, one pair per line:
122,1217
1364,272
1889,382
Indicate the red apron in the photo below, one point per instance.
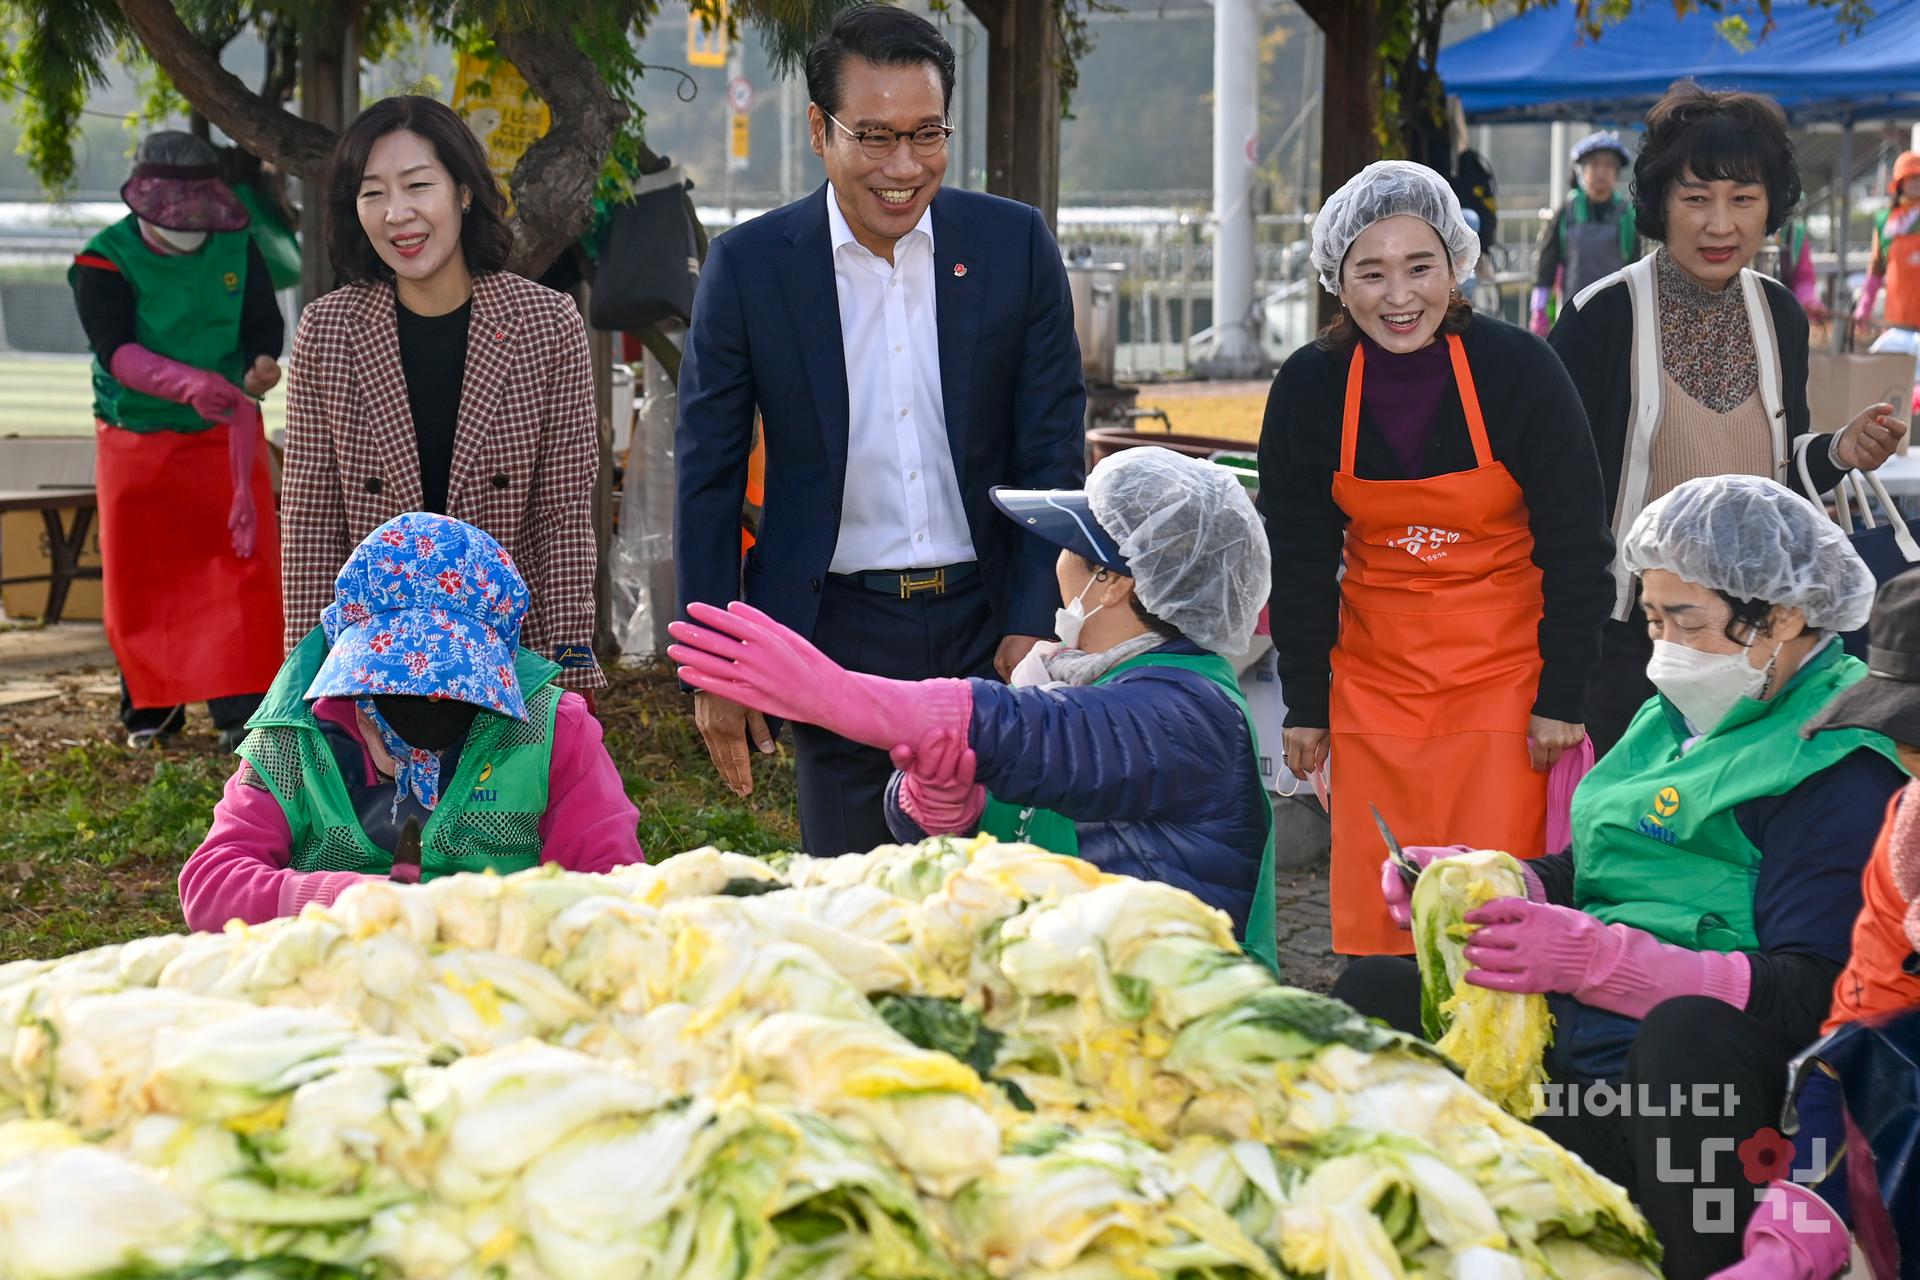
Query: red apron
1435,672
188,620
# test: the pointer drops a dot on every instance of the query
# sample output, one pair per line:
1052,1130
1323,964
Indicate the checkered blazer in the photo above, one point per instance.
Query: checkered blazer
525,450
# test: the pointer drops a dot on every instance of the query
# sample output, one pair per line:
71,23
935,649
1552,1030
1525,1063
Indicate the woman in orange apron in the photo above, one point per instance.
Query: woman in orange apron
1444,670
178,307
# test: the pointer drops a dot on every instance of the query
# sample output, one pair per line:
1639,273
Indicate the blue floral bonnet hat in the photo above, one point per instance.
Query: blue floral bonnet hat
427,606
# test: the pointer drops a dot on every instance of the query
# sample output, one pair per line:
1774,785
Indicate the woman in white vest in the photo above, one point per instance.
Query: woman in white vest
1689,362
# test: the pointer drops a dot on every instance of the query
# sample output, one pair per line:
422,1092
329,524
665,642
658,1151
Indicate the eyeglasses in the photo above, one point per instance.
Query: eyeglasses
878,144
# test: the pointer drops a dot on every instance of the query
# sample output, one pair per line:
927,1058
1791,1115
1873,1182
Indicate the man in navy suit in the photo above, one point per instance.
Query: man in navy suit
907,348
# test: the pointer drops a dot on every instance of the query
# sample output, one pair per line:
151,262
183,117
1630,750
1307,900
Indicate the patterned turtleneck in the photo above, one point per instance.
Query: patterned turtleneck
1706,344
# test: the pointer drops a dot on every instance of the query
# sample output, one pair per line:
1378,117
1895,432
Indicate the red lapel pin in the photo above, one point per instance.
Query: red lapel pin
959,270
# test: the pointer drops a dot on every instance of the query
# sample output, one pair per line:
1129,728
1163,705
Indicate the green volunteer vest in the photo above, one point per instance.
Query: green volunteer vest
1655,839
488,817
1579,212
187,308
1058,833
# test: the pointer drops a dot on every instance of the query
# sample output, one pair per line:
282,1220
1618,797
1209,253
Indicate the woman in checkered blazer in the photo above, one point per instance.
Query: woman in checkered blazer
432,380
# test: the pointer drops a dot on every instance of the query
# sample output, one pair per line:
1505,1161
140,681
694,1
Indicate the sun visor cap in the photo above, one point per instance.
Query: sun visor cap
1064,518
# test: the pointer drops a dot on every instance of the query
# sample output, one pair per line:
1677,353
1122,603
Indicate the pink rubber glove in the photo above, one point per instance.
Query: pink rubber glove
212,396
1792,1235
1538,947
938,791
1537,308
1400,897
740,653
1869,294
243,441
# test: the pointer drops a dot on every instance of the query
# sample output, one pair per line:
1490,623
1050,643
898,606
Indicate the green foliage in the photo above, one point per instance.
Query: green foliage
52,55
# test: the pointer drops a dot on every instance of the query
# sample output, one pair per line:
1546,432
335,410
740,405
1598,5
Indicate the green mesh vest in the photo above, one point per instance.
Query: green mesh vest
488,817
187,308
1656,837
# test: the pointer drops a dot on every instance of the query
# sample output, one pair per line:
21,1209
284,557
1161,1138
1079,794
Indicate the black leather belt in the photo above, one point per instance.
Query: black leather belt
905,584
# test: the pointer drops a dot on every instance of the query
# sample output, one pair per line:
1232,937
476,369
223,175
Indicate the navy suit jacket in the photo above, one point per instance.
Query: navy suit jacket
766,335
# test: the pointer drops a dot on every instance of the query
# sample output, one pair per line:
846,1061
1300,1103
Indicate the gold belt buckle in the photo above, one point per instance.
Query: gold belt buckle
910,585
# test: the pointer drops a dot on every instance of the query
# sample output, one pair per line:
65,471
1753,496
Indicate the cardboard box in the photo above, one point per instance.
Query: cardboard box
1841,384
23,550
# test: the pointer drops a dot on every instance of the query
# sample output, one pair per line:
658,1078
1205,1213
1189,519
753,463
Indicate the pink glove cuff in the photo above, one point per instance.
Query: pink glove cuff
912,711
1794,1233
1869,294
323,887
941,815
1633,971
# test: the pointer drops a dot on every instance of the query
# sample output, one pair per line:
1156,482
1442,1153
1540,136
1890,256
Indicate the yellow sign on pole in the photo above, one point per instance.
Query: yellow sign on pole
707,46
507,118
737,152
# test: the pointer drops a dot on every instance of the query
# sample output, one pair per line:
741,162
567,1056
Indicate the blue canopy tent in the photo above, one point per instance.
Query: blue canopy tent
1543,66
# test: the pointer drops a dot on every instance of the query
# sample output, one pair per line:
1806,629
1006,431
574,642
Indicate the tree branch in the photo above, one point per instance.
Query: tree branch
262,127
553,184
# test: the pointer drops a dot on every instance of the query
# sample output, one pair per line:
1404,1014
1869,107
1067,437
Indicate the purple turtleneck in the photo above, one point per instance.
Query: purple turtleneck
1402,394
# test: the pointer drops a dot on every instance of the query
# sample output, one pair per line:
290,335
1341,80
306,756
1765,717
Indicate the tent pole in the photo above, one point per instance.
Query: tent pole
1843,184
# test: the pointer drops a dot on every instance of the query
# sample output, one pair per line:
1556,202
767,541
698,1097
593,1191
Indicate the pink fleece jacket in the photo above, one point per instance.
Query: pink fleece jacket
240,870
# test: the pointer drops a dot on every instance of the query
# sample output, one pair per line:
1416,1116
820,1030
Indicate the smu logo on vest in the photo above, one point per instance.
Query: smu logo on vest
1666,803
1424,542
483,794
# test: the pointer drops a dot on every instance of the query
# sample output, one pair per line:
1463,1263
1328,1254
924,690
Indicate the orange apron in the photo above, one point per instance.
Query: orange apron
1435,672
188,620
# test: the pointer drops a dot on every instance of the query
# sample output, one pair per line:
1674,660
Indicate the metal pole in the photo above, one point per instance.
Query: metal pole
1561,165
1843,184
1235,349
789,111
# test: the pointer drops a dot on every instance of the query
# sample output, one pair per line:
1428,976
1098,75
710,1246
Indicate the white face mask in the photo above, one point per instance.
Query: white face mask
179,241
1068,621
1705,686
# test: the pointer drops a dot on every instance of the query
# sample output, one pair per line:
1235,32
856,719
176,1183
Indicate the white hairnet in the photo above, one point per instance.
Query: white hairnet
1192,539
1754,539
1388,189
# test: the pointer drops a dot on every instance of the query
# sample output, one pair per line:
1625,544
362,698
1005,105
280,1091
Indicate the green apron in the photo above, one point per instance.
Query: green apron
186,308
488,817
1060,834
1657,844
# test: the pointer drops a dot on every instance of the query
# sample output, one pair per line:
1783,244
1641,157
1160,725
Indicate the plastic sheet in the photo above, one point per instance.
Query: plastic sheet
643,588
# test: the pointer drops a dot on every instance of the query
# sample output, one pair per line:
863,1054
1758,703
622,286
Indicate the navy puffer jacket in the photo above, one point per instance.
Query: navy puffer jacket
1155,767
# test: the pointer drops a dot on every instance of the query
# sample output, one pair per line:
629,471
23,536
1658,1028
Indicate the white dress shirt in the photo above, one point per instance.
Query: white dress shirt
901,508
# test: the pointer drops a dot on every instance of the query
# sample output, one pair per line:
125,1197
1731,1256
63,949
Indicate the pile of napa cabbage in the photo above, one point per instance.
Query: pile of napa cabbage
959,1059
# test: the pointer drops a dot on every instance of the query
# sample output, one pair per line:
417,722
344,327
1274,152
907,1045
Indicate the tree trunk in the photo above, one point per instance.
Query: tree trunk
329,97
1350,98
1023,100
554,183
261,127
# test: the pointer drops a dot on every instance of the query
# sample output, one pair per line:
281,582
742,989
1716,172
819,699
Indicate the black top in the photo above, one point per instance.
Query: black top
1814,843
106,305
1534,427
1595,342
433,356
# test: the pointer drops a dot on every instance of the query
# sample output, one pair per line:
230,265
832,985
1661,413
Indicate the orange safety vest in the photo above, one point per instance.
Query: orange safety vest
1877,978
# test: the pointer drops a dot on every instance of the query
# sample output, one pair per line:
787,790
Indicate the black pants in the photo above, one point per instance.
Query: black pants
227,713
843,784
1702,1078
1620,686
